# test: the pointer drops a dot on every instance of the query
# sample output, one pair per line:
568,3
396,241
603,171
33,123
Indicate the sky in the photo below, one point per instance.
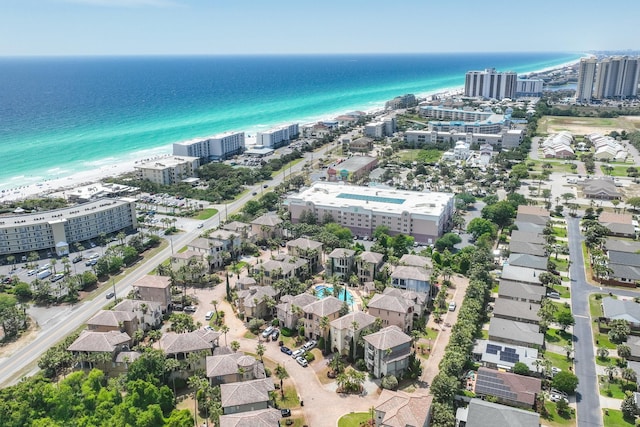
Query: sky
210,27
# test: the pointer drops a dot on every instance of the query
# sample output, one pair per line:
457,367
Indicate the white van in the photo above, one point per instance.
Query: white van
43,274
209,315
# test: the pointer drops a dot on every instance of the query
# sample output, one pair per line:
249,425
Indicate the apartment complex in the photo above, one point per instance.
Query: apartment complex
586,78
490,84
455,114
425,216
380,129
529,87
278,136
59,228
214,148
617,78
168,170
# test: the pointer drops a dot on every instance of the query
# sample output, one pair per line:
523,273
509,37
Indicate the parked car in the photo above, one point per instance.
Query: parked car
286,350
190,308
91,262
309,345
209,315
275,334
299,352
57,277
553,294
452,306
31,273
267,331
111,295
77,259
285,413
302,361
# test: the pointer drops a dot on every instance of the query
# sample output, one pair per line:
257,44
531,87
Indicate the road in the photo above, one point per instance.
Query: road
587,395
15,366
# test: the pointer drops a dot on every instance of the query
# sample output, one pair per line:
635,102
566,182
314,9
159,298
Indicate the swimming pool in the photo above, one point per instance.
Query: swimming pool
325,291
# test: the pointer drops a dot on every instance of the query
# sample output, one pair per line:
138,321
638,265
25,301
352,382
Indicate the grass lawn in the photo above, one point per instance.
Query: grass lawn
206,213
290,400
558,337
614,418
249,335
495,289
602,340
595,307
560,231
430,333
556,420
484,334
616,171
561,264
615,389
427,156
564,291
558,360
607,361
353,419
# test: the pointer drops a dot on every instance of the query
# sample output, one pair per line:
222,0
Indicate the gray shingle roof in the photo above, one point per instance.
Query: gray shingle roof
346,322
620,245
621,309
149,281
624,258
200,339
261,418
519,247
416,261
521,274
508,308
111,318
371,257
99,342
411,273
388,337
324,307
269,219
247,392
517,290
483,414
627,272
527,260
526,333
342,253
526,236
389,302
304,243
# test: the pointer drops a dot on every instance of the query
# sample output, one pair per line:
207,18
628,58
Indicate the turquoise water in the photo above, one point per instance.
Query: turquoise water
59,116
325,291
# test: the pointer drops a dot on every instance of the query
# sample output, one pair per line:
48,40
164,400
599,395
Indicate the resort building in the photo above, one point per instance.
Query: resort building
617,78
278,136
425,216
154,288
405,101
529,88
352,169
214,148
57,229
454,114
380,129
168,170
490,84
346,330
506,138
387,352
586,79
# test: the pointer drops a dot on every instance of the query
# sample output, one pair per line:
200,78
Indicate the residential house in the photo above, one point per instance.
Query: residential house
368,265
392,310
529,261
480,413
179,346
508,388
289,310
149,313
516,333
246,396
496,355
411,278
307,249
346,330
416,261
519,311
603,189
232,368
189,264
280,267
528,248
155,289
387,352
245,282
529,226
328,307
634,345
521,291
261,418
241,228
619,225
621,272
341,263
267,226
99,349
108,320
533,214
521,274
211,250
620,245
257,302
124,359
614,309
419,300
400,409
231,241
525,236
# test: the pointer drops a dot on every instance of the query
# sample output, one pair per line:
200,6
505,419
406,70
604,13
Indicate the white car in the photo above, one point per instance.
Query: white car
309,345
302,361
267,332
452,306
299,352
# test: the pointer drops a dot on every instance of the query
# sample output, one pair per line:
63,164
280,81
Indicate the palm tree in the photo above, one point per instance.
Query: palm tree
611,371
224,329
281,374
629,375
260,350
53,264
324,325
354,326
214,303
235,346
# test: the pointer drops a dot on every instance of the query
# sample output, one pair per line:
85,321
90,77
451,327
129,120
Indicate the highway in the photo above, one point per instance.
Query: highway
13,367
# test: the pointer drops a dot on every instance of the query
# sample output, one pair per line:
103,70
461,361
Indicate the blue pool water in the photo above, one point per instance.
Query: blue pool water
325,291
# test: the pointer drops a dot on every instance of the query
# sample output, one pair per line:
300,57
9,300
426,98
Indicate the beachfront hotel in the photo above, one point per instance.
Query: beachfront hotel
57,229
490,84
214,148
617,78
278,136
586,78
168,170
423,215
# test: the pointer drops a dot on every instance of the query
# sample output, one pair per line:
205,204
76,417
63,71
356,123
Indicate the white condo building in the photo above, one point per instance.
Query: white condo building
216,148
586,79
529,87
168,170
423,215
278,136
617,78
57,229
490,84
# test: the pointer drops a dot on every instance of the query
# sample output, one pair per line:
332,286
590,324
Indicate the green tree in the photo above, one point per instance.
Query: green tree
565,382
479,226
500,213
182,322
624,351
565,319
619,331
444,388
629,408
520,368
281,373
447,241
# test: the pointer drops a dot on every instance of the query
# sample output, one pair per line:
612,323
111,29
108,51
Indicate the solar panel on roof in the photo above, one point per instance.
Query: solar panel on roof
493,349
509,357
509,350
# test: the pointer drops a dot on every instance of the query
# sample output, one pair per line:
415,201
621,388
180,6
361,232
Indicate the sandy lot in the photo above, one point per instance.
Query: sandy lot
586,125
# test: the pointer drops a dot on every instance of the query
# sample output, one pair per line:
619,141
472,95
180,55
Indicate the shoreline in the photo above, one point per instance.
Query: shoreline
116,166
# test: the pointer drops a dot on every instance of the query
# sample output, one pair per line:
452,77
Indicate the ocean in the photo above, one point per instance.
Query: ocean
59,116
